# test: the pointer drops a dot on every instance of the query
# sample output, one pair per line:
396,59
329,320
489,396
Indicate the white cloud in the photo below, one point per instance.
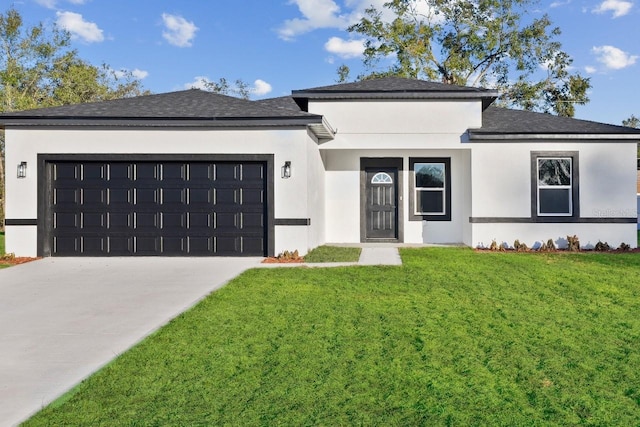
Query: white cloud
317,14
199,82
139,74
590,70
260,87
613,58
178,31
344,48
79,28
51,4
618,7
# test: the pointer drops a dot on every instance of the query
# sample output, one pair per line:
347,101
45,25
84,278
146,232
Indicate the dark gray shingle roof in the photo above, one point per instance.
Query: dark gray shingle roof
498,121
192,104
392,84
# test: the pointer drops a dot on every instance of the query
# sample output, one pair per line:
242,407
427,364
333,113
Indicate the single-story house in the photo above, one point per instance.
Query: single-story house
397,160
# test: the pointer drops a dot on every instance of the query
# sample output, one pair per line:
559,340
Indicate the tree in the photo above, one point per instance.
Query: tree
38,68
475,43
632,122
222,86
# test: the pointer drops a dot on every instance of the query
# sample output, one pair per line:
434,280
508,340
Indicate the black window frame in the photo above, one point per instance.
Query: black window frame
413,216
575,184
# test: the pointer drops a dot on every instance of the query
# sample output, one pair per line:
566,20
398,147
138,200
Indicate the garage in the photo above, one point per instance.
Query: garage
155,208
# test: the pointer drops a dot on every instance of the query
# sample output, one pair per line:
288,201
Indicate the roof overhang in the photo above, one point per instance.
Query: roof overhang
487,96
508,137
317,124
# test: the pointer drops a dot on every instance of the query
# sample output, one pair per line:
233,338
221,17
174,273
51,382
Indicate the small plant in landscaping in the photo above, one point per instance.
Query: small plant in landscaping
285,257
548,246
520,247
573,243
624,247
494,246
8,257
602,247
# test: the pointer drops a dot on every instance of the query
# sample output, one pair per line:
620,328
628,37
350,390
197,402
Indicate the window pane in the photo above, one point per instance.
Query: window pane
429,175
554,171
430,202
555,201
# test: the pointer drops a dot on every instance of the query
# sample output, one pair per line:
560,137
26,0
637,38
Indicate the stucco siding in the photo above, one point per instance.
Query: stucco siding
343,196
501,177
289,194
400,116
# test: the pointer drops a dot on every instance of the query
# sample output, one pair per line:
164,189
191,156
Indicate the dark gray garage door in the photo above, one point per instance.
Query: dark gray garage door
157,208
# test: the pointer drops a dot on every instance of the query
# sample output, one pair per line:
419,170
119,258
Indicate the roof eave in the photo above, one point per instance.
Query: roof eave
159,122
485,136
356,95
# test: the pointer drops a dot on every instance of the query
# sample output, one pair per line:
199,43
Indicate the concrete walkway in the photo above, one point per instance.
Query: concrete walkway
372,255
61,319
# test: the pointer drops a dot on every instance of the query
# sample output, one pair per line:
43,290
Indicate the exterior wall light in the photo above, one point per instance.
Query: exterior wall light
22,170
286,170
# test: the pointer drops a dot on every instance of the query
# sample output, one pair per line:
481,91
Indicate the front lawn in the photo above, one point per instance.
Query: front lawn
453,337
333,254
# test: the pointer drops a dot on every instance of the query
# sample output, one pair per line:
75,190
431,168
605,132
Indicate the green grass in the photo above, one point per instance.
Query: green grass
453,337
2,250
333,254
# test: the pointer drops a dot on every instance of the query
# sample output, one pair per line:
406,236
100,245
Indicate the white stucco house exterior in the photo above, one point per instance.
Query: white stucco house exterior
387,160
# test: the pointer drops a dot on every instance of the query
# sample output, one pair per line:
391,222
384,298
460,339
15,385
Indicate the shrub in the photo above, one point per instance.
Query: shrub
520,247
624,247
549,246
496,247
573,243
602,247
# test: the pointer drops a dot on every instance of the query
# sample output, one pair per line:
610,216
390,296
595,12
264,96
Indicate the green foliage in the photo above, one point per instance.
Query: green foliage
39,69
453,337
632,122
487,43
2,249
240,88
333,254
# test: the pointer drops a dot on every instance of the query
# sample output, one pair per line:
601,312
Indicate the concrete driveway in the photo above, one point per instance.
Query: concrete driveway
61,319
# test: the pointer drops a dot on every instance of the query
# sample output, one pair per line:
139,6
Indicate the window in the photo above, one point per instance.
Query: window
382,178
555,184
430,189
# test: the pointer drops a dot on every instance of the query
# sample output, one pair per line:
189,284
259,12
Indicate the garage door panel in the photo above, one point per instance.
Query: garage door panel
173,196
158,208
121,245
226,196
94,245
146,172
94,222
120,221
146,221
200,221
252,196
63,197
66,245
253,172
200,245
176,222
226,172
66,221
91,197
148,245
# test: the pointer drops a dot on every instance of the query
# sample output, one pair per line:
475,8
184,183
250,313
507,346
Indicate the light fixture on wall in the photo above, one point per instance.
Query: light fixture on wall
286,169
22,170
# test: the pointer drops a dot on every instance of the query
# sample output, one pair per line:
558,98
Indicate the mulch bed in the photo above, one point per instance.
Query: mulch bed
10,260
275,260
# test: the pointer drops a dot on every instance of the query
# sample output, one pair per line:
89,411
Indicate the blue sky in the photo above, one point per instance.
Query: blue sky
281,45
